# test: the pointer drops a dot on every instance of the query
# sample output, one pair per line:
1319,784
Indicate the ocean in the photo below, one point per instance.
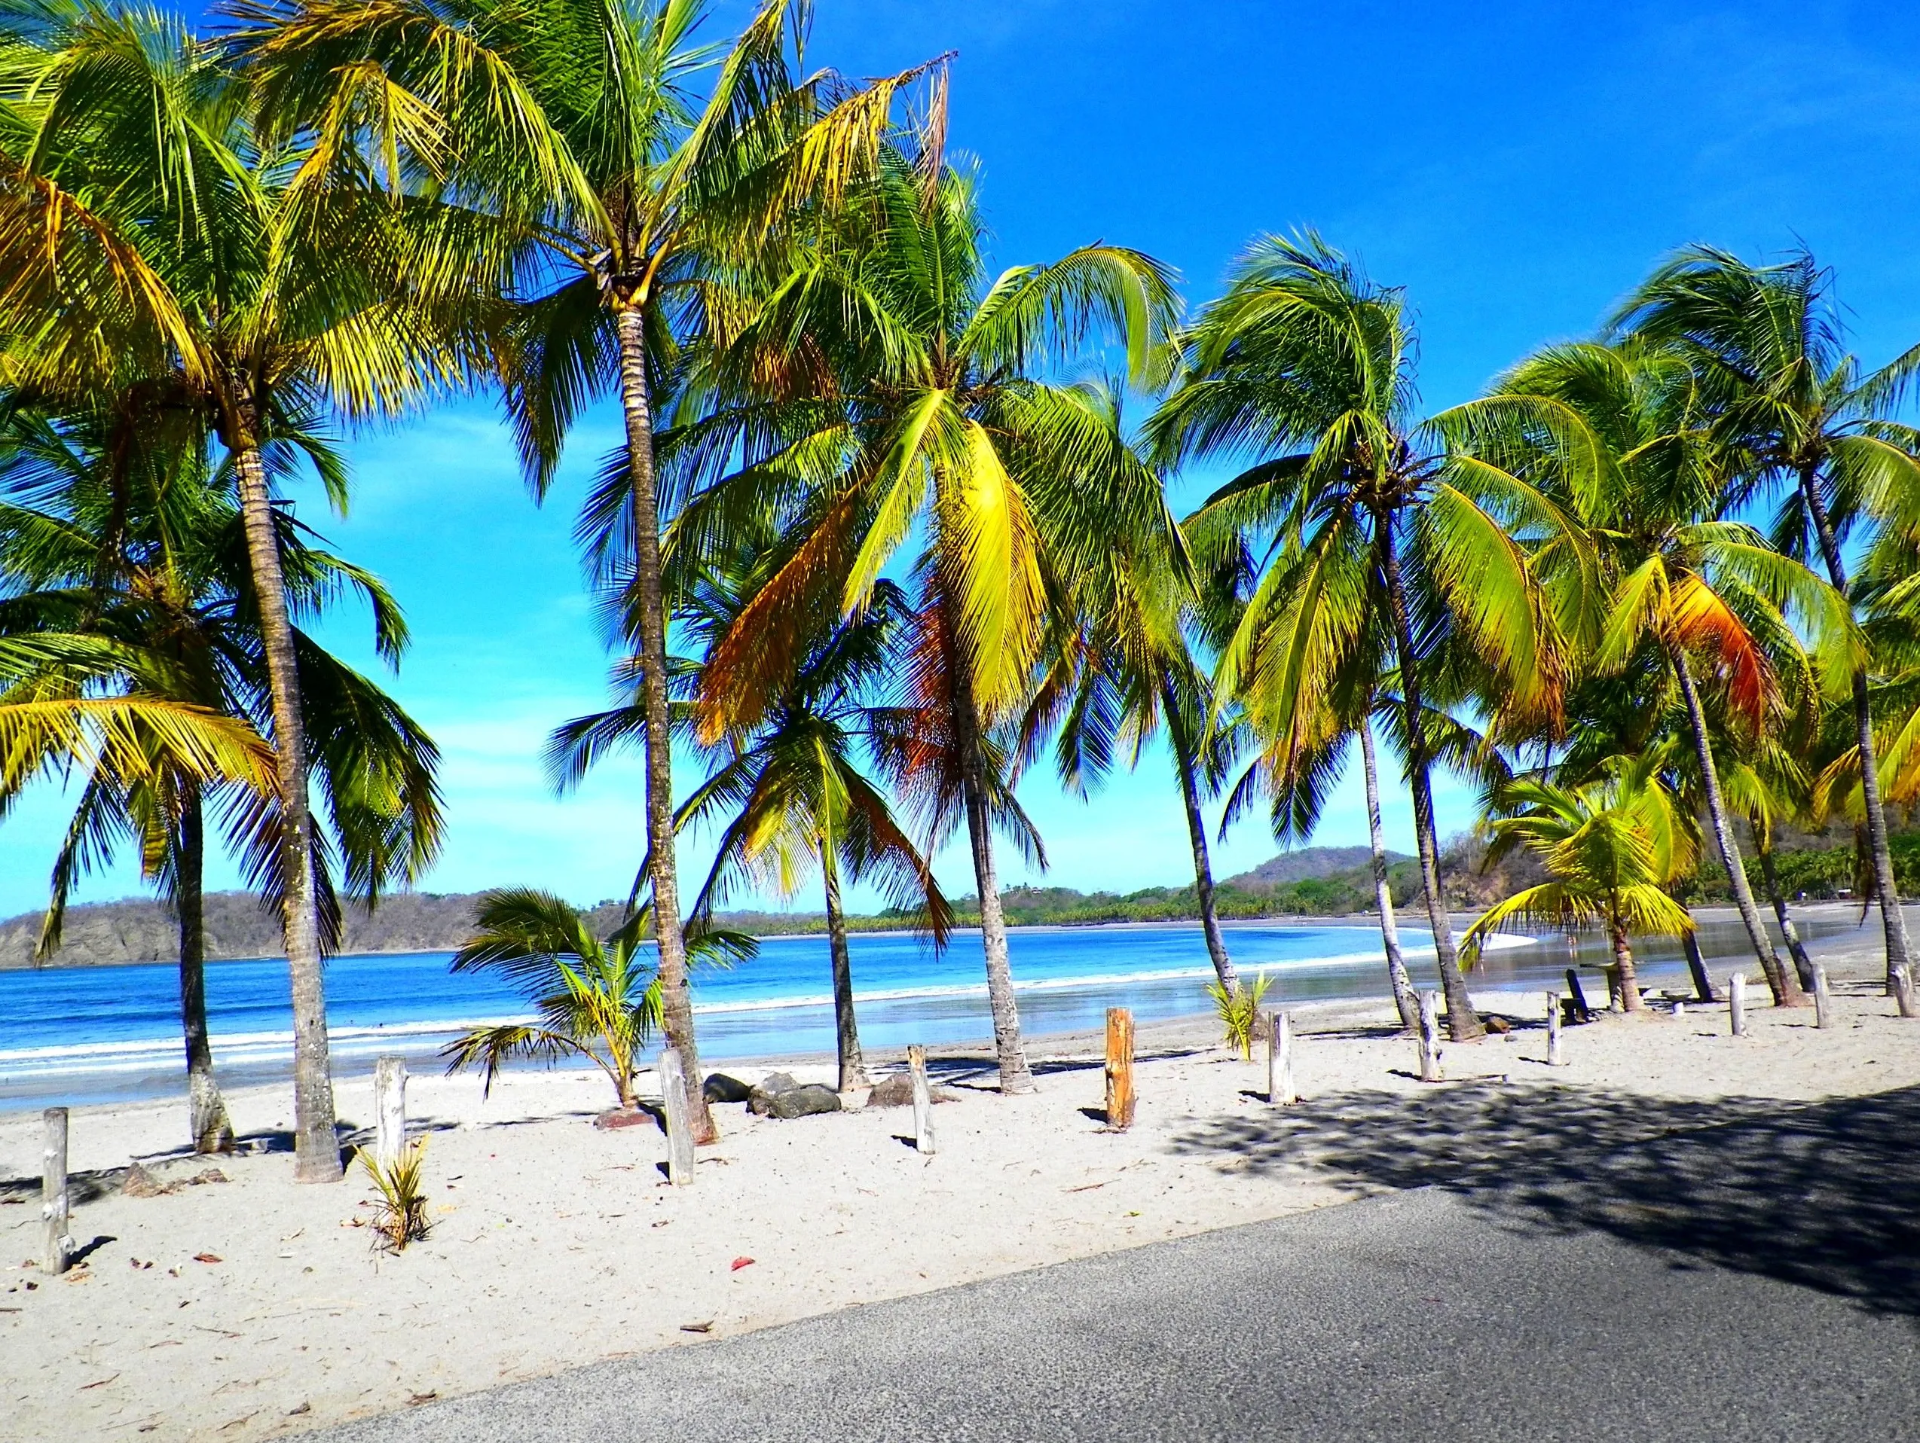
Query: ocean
100,1034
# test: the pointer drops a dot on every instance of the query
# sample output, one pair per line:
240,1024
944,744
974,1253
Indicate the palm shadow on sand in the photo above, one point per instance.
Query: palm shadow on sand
1825,1195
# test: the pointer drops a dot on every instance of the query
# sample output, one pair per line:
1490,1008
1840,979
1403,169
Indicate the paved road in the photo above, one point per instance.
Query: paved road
1752,1280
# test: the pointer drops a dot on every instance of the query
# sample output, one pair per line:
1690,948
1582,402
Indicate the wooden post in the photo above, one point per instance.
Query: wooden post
1737,1003
56,1244
1430,1037
1119,1069
673,1094
1903,991
1822,1000
389,1109
1280,1060
1579,995
1553,1029
922,1101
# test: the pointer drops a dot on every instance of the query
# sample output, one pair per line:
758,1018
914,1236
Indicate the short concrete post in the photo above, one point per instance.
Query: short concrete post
1553,1029
1430,1037
1737,1003
389,1109
1280,1091
1903,991
673,1095
1822,1000
56,1246
922,1101
1119,1069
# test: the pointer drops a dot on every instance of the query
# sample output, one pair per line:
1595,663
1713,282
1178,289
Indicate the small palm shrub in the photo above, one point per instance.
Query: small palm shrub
598,998
1239,1012
400,1215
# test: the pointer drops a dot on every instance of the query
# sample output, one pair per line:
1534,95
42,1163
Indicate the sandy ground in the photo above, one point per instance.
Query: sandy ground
253,1307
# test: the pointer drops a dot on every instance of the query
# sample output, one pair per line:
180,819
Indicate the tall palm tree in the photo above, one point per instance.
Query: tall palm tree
1304,367
1613,433
921,423
579,165
788,794
1126,669
239,276
133,547
1769,349
1609,845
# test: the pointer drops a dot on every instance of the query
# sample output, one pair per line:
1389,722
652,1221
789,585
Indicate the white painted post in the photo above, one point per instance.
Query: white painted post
673,1095
1553,1030
922,1101
1737,1003
389,1109
1430,1037
1280,1090
1903,991
1822,1000
56,1246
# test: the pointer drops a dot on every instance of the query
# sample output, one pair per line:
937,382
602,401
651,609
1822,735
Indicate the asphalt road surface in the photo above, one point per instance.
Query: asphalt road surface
1743,1274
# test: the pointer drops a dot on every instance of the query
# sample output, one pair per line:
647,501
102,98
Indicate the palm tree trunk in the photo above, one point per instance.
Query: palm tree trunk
1404,997
676,994
853,1067
1008,1049
1185,763
317,1149
1770,877
1893,920
1463,1023
1697,968
206,1110
1623,967
1784,986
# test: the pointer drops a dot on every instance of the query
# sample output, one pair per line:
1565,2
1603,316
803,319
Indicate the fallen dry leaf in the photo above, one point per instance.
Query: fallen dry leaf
706,1327
206,1257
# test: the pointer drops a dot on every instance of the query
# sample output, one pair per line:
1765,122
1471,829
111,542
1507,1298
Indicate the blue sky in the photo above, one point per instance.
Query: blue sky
1515,167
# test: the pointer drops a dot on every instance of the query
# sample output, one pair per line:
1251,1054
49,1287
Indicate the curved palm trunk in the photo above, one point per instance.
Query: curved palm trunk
1185,764
317,1149
853,1067
1008,1049
1893,920
676,996
1463,1023
206,1110
1783,984
1404,998
1770,877
1697,968
1623,972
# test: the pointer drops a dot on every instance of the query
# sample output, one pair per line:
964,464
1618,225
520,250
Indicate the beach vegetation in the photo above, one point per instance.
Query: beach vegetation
1238,1009
400,1196
597,999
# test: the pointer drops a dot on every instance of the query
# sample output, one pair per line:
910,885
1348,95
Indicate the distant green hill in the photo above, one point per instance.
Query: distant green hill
1310,882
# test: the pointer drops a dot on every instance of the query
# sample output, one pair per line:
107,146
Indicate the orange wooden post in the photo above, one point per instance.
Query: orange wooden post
1119,1068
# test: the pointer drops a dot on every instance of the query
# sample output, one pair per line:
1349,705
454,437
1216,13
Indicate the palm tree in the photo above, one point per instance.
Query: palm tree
920,422
1610,845
580,165
788,793
598,997
1305,368
240,278
134,549
1612,433
1125,669
1768,347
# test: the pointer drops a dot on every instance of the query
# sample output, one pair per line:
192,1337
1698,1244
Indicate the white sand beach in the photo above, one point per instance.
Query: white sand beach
253,1307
